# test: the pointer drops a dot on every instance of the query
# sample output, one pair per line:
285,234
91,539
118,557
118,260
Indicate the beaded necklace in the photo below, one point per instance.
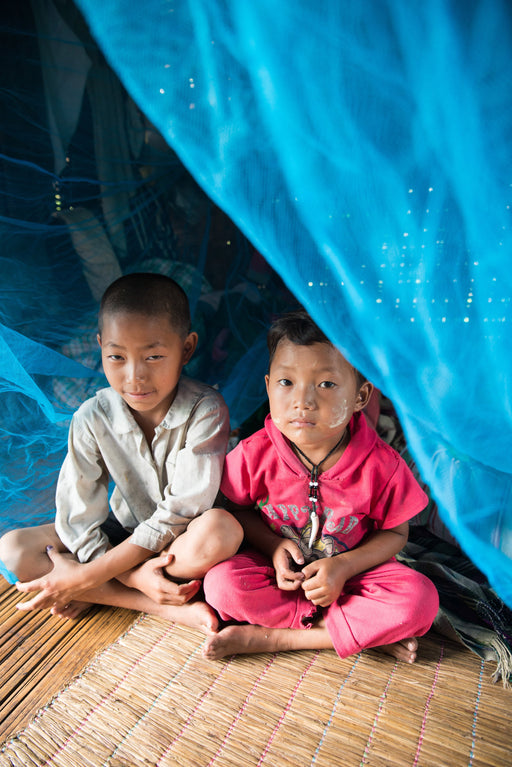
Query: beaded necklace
313,485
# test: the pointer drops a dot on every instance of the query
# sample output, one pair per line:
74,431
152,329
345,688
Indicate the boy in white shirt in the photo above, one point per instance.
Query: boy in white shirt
161,439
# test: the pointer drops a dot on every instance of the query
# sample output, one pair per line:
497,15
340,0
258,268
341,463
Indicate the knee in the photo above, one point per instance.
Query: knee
429,599
23,551
424,601
209,539
11,551
220,532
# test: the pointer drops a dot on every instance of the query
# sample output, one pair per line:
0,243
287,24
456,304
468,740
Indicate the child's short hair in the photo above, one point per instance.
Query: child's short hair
149,294
299,328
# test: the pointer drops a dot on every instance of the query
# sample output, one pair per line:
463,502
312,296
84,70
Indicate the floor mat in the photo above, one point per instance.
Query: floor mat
151,698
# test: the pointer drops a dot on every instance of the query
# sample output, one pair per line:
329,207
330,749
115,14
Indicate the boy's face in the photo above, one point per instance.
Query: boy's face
143,358
313,392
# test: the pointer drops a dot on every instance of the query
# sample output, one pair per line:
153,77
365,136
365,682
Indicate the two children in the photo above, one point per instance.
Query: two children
161,439
322,501
324,504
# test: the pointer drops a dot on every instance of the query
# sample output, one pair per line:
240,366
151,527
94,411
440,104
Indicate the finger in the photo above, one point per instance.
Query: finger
297,555
190,588
293,552
54,555
312,590
287,585
51,552
310,570
165,559
290,575
37,603
318,596
29,586
179,598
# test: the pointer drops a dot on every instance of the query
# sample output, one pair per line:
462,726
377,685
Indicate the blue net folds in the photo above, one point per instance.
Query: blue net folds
363,149
89,190
352,156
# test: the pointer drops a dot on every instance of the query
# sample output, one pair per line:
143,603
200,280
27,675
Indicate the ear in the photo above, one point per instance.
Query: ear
189,346
363,396
267,379
98,339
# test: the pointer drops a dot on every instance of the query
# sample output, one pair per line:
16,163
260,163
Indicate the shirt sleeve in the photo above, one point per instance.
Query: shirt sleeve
401,499
237,479
195,477
82,496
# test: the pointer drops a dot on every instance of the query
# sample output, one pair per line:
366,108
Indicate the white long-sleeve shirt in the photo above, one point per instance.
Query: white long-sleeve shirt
158,489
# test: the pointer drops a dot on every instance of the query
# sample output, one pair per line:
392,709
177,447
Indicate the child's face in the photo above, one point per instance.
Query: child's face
143,358
313,392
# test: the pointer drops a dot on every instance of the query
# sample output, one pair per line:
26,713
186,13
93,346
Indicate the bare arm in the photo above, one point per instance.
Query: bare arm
69,579
325,578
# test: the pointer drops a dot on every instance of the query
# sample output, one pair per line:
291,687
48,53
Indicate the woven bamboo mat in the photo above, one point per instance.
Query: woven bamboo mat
152,699
40,654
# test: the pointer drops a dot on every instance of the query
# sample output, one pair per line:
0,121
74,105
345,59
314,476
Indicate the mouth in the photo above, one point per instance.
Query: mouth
138,395
302,423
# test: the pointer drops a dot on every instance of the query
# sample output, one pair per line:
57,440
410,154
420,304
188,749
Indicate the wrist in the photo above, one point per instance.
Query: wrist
347,564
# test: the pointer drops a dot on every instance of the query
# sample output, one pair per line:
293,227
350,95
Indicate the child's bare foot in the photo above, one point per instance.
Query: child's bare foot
197,615
405,650
71,610
246,638
234,640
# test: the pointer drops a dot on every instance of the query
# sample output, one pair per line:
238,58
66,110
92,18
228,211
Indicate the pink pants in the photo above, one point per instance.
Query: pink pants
383,605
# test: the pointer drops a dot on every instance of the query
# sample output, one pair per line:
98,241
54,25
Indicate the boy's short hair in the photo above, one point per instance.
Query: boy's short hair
299,328
149,294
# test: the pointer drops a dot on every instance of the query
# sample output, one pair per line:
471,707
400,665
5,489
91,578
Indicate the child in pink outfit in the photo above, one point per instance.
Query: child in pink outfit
324,504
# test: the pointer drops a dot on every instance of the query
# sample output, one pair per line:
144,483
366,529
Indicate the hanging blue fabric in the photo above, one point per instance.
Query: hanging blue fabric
364,149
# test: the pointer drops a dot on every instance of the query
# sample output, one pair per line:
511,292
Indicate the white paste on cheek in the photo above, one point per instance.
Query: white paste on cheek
339,414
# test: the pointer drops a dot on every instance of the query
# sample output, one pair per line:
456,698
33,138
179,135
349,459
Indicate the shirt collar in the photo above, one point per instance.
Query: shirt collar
122,420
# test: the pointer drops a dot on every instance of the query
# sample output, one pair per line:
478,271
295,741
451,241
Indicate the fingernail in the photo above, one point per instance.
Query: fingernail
49,548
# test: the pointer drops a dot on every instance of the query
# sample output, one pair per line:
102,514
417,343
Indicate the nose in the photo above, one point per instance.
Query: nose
135,371
304,397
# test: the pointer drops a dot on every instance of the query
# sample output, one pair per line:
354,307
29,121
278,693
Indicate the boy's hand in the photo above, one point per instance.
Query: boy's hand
285,559
62,585
151,579
324,580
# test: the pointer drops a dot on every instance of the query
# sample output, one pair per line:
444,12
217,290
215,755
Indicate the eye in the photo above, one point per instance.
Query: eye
284,382
327,385
156,357
114,357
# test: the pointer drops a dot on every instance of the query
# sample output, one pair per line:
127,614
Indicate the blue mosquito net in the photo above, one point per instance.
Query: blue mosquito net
351,156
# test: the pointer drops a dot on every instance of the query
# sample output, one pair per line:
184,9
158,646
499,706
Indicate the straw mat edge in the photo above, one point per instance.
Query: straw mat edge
40,654
152,699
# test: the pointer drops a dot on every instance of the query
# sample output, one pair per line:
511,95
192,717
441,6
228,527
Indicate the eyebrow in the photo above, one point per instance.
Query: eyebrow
321,371
113,345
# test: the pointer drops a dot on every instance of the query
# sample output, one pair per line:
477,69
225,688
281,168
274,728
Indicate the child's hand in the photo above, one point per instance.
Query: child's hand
324,580
285,558
151,579
62,585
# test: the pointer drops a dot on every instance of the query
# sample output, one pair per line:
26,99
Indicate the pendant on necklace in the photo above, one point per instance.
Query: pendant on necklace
313,499
314,528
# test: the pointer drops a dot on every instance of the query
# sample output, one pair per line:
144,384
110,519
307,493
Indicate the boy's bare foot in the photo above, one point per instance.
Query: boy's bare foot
70,611
196,615
405,650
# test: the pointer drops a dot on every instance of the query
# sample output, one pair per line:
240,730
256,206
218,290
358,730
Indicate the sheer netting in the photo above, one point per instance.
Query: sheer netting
364,148
361,148
90,190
